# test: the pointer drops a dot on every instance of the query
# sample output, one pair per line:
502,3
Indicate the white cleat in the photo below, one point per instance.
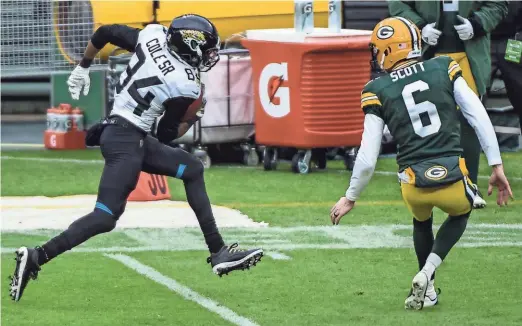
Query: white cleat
431,298
478,201
419,285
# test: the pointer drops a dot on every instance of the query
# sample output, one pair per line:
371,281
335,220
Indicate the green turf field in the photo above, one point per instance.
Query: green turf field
357,273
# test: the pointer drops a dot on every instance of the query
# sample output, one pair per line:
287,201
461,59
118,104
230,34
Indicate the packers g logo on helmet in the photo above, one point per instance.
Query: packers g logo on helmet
385,32
394,40
436,172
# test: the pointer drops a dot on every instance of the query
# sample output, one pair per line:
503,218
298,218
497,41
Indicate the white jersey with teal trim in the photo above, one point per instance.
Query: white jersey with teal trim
152,77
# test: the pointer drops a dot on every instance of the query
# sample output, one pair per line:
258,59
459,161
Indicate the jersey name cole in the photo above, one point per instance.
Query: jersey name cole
152,77
156,53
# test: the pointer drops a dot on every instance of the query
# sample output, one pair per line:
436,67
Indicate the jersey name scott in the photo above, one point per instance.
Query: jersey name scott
154,46
407,71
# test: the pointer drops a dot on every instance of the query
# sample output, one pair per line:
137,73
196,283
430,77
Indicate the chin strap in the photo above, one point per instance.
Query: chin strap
382,61
374,64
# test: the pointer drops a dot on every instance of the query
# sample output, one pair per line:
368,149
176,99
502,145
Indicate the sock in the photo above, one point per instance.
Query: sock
449,234
432,263
423,240
78,232
53,248
42,256
198,200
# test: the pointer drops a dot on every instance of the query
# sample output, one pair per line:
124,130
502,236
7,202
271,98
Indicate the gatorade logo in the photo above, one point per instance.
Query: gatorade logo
436,172
274,96
68,124
53,140
308,8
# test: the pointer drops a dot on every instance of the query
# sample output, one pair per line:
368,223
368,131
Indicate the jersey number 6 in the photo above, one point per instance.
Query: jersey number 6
143,102
424,116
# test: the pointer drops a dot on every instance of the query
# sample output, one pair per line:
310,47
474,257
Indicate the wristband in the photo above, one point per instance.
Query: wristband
85,63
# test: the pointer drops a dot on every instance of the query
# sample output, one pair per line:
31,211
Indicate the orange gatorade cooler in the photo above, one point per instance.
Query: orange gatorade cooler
77,119
307,87
65,128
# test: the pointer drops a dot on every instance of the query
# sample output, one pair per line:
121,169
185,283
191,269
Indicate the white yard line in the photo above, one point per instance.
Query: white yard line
182,290
51,160
340,237
277,255
67,160
287,247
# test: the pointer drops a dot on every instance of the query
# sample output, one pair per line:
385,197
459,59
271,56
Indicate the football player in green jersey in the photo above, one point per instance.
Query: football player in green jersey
419,102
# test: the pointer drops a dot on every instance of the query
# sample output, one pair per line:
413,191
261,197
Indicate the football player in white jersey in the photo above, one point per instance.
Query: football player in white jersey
163,77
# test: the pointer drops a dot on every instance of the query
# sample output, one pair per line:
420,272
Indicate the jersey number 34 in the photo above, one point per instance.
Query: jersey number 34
424,116
143,102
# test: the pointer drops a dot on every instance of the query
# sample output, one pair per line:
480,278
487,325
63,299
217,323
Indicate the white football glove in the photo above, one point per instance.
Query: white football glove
430,34
465,30
79,79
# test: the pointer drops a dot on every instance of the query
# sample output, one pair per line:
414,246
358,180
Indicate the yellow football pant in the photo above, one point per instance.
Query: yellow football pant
454,199
462,60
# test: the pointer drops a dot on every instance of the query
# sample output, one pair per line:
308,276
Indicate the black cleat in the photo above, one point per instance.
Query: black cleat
26,267
231,258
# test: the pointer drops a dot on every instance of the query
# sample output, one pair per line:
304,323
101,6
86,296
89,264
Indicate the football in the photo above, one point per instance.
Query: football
194,108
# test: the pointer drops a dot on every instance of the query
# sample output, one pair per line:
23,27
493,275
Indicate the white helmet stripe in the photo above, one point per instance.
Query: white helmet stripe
413,33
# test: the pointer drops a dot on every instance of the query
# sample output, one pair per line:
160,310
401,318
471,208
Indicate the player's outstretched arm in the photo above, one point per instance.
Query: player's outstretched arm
120,35
475,113
498,180
363,168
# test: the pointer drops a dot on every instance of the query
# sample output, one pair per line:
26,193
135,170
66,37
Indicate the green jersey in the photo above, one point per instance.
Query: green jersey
418,105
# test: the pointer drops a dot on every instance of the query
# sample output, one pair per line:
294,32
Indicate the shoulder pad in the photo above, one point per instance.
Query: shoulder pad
152,29
155,28
368,85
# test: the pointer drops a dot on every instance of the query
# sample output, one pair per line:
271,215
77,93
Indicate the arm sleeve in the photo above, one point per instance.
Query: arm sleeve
122,36
175,109
476,115
491,13
406,10
367,156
